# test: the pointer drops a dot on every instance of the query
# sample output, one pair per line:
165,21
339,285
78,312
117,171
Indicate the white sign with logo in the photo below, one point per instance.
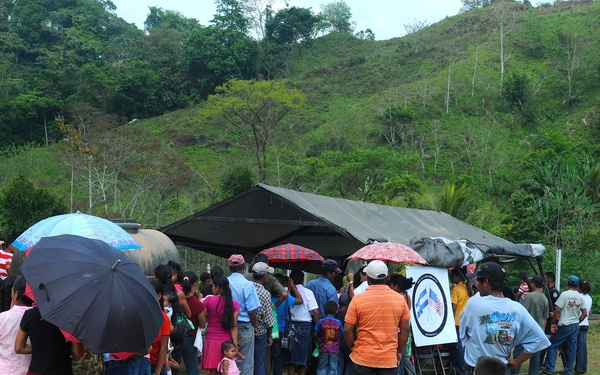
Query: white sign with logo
431,312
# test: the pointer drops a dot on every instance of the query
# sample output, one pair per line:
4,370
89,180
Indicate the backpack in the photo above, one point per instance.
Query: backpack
182,326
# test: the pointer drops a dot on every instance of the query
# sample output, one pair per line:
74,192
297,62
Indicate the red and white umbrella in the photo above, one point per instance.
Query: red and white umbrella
388,252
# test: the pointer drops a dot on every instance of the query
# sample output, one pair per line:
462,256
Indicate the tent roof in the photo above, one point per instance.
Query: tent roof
265,216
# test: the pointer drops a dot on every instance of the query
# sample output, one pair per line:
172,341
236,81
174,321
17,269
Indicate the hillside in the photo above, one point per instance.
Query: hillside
491,115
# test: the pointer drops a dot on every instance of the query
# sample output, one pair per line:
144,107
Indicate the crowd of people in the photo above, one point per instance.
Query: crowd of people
252,321
525,324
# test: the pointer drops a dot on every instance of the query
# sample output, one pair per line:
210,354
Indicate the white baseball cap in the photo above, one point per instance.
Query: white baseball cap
376,270
262,268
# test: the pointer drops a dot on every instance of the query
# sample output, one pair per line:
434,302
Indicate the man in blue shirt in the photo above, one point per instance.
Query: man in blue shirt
322,287
244,292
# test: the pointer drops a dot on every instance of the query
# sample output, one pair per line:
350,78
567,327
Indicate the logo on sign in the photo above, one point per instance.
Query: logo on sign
429,305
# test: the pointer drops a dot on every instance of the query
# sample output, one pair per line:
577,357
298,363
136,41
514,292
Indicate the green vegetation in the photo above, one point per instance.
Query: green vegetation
492,115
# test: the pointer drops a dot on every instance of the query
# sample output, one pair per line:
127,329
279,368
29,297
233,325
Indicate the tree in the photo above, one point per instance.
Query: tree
336,16
169,19
22,204
454,198
412,31
251,111
291,25
215,55
365,34
286,28
257,12
515,89
399,124
506,23
470,5
571,46
230,16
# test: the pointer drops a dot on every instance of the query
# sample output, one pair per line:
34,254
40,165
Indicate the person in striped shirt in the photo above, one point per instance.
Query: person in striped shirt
380,316
6,256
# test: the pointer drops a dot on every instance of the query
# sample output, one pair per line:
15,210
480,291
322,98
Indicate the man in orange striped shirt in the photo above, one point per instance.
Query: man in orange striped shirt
381,318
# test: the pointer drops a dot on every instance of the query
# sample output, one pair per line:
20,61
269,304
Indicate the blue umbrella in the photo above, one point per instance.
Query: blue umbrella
79,224
93,292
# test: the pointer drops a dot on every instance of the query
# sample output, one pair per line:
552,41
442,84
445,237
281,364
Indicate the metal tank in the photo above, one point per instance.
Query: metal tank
156,249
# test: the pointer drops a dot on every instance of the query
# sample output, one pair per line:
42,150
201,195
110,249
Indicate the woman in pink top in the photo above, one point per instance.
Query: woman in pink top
221,315
11,362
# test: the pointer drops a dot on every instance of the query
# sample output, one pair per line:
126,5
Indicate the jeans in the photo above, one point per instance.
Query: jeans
260,354
457,354
176,353
328,363
163,370
132,366
534,362
344,362
276,354
190,355
246,347
406,366
582,353
568,335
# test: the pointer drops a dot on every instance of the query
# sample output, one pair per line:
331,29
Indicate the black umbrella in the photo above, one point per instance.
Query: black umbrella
94,292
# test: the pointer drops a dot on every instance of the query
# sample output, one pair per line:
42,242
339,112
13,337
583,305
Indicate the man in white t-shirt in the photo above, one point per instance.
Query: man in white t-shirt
569,312
492,325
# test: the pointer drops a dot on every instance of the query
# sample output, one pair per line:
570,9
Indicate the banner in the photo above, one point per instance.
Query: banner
431,312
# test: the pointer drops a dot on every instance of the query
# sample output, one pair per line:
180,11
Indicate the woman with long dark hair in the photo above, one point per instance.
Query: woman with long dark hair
189,286
6,293
222,314
164,274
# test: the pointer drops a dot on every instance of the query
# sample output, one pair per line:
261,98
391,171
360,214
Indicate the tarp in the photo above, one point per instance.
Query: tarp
264,216
446,253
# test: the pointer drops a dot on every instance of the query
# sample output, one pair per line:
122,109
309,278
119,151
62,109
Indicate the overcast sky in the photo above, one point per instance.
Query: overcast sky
385,17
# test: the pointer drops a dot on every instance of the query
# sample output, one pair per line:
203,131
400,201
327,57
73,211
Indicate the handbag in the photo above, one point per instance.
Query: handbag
288,333
182,326
89,364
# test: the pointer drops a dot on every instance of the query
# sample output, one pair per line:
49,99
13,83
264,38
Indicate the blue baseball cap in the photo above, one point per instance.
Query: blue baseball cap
573,280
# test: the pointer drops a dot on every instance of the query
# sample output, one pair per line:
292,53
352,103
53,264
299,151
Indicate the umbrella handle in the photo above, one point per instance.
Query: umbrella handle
43,287
114,267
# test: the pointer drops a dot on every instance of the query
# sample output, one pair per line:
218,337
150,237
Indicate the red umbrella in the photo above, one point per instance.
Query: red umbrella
388,252
291,256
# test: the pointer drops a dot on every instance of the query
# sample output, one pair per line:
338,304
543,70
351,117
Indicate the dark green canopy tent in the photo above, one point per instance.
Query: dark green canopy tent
264,216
